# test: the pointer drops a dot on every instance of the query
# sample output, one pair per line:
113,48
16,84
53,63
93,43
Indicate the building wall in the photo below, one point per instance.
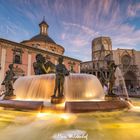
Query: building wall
87,66
0,56
2,61
116,57
29,56
46,46
137,56
129,67
9,57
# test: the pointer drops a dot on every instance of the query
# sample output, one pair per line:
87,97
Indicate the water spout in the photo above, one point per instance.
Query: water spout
120,84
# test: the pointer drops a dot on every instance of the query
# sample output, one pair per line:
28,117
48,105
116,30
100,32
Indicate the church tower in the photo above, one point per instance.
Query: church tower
101,47
101,50
43,27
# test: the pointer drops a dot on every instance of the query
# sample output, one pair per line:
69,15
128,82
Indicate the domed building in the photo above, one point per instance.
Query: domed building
23,54
42,40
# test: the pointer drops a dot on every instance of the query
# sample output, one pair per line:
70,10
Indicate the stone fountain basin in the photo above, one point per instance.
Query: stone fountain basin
84,106
22,105
69,106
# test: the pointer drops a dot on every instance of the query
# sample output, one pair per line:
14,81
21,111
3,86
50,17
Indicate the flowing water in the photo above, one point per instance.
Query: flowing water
120,83
76,87
19,125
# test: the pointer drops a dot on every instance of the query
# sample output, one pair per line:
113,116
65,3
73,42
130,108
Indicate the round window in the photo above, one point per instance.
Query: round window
126,60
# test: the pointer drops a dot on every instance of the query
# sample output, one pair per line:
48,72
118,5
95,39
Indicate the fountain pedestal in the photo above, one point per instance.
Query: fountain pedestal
112,97
22,105
57,100
3,97
10,97
89,106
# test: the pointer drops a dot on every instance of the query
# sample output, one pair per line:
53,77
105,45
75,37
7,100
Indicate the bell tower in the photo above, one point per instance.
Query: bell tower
43,27
101,47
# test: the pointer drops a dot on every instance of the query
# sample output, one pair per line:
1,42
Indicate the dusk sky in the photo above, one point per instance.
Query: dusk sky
73,23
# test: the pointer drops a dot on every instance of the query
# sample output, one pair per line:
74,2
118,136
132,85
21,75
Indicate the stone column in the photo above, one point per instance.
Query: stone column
29,64
96,73
79,68
3,62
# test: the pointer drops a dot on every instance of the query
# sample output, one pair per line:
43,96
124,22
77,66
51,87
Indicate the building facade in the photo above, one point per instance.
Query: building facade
23,54
128,60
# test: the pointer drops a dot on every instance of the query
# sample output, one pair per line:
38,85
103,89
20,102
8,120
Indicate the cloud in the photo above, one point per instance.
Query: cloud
74,23
79,42
133,10
11,30
84,29
79,37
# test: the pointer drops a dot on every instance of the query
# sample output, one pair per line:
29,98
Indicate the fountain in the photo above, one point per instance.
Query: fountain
41,87
78,92
83,93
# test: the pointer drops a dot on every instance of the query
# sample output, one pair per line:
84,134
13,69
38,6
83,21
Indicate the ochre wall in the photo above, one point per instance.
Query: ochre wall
33,52
47,46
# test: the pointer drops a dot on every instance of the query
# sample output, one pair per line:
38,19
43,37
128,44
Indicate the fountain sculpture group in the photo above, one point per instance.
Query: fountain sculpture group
79,92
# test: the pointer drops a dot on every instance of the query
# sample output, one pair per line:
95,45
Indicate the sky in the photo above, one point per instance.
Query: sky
73,23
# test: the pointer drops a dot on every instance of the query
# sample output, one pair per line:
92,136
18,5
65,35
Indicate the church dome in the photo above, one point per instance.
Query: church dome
42,40
42,37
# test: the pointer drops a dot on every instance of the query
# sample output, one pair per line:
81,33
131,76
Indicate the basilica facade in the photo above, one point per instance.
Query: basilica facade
23,54
128,61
